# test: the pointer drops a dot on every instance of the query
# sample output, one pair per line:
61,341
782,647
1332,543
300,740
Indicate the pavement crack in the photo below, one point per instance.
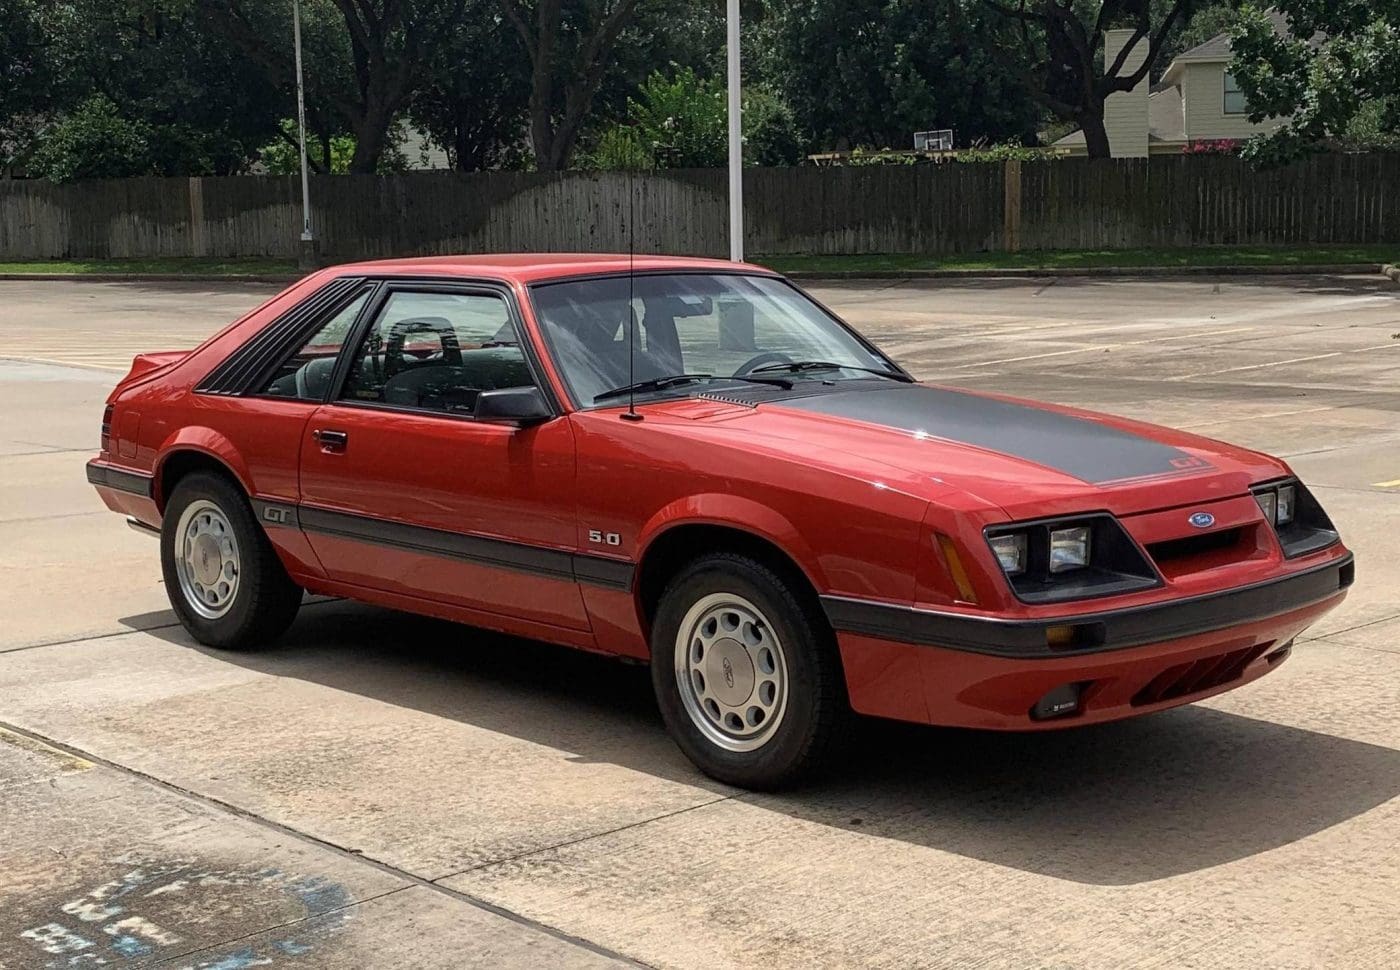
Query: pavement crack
305,837
586,838
86,639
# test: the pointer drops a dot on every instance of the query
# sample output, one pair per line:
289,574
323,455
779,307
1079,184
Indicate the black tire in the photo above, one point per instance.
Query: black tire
264,600
805,736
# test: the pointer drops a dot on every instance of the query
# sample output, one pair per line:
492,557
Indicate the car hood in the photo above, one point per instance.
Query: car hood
1030,459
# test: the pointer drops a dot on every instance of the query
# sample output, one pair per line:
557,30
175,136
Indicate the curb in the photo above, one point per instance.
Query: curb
1392,271
276,278
1106,272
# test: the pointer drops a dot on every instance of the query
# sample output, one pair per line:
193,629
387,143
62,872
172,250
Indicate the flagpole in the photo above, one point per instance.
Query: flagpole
308,238
736,141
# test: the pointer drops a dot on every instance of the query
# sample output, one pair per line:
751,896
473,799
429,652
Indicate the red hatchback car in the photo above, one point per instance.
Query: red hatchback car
692,463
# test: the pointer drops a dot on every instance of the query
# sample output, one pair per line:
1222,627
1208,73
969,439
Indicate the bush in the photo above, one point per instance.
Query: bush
93,142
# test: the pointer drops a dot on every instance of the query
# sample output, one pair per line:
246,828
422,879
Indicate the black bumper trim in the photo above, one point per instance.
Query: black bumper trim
497,553
1115,629
106,476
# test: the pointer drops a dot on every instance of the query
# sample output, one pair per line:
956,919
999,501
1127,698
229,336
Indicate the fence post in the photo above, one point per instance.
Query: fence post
199,237
1011,205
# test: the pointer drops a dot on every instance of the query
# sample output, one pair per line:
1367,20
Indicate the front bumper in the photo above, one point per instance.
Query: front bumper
959,670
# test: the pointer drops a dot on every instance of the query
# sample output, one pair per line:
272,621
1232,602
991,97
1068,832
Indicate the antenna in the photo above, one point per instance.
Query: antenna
631,413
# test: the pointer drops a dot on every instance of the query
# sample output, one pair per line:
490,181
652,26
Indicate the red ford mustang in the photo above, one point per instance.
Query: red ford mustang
691,462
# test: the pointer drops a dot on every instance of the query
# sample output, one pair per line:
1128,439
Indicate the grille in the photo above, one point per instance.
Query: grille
1199,675
725,399
1190,546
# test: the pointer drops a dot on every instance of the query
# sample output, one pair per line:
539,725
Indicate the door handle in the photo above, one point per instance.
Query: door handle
331,440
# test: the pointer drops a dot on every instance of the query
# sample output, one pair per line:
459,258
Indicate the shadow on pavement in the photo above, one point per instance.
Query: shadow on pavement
1117,804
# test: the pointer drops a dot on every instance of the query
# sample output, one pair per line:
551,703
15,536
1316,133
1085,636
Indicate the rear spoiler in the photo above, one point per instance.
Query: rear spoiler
145,365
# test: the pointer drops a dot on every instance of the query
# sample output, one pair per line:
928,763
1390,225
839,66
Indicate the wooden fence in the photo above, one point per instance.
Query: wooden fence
934,209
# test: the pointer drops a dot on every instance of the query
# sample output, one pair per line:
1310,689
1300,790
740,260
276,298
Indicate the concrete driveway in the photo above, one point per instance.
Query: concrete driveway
386,791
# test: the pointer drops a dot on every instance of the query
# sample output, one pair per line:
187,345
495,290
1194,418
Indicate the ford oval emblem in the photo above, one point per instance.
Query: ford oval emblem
1202,520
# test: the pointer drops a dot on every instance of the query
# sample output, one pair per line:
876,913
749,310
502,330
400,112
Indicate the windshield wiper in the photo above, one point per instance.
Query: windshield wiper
661,383
799,366
655,384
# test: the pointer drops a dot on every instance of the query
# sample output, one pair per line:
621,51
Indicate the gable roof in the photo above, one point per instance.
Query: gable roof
1218,47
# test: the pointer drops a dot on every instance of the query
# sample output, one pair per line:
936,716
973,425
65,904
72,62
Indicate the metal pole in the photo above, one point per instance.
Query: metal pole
307,236
736,142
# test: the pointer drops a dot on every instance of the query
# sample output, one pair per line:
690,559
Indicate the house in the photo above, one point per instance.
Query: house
1196,100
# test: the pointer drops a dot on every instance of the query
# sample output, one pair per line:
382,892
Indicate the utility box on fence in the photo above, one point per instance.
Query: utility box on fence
736,326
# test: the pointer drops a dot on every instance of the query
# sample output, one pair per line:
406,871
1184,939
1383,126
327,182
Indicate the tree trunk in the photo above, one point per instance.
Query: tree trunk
1095,133
371,136
542,137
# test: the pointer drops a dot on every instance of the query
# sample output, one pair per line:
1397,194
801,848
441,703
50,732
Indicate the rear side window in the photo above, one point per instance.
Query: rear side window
306,375
437,352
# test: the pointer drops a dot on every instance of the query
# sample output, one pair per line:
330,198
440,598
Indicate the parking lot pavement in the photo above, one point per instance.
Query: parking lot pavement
382,790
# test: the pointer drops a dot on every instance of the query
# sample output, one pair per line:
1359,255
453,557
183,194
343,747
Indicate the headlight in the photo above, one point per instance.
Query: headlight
1010,551
1286,504
1070,558
1069,549
1268,504
1296,517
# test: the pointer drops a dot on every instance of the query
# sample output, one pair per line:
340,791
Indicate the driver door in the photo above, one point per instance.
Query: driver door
404,491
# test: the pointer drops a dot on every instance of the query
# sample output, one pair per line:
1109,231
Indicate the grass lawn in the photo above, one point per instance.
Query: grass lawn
1073,259
1202,256
162,267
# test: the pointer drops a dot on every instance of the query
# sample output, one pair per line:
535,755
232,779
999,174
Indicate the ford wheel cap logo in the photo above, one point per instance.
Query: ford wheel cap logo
1202,520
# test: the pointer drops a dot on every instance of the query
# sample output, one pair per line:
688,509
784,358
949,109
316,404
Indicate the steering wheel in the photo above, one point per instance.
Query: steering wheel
758,360
393,350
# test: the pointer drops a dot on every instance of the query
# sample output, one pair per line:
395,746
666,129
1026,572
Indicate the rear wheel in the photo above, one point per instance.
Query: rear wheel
222,575
746,673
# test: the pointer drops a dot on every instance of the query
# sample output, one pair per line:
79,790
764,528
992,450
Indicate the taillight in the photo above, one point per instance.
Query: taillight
107,428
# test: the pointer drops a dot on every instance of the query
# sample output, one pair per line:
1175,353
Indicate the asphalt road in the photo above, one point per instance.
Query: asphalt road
384,791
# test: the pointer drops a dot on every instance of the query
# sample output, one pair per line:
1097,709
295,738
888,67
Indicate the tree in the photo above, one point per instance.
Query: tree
683,122
94,142
476,92
873,72
1063,41
1336,72
389,43
568,43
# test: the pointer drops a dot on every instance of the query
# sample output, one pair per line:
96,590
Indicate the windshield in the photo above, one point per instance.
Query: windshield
715,329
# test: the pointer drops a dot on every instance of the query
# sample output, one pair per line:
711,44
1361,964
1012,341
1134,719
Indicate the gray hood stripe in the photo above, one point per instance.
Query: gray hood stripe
1085,449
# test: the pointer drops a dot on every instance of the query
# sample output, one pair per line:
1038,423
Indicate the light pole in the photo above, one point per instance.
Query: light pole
308,238
736,142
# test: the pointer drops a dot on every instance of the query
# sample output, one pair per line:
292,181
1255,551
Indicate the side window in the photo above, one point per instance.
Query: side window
437,351
307,374
1234,97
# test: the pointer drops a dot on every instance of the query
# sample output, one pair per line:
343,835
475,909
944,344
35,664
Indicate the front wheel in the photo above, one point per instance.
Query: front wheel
222,575
746,673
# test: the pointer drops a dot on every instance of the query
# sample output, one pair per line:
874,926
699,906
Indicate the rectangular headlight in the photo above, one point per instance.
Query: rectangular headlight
1286,504
1268,504
1010,551
1069,549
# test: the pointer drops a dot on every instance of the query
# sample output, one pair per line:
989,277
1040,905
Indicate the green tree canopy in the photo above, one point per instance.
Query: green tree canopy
1334,73
873,72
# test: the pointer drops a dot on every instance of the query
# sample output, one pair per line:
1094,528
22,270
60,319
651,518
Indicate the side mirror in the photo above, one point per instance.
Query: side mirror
519,406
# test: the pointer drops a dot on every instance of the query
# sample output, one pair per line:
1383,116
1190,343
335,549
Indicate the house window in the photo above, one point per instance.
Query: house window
1234,97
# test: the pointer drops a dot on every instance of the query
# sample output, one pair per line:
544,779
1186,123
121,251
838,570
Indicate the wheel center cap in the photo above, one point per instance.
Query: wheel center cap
208,562
729,672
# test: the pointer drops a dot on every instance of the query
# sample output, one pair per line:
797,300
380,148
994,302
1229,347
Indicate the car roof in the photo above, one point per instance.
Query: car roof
536,267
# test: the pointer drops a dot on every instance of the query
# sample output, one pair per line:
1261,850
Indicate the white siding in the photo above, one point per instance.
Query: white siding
1125,113
1203,91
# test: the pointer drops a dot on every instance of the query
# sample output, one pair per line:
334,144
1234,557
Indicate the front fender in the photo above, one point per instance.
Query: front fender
742,514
